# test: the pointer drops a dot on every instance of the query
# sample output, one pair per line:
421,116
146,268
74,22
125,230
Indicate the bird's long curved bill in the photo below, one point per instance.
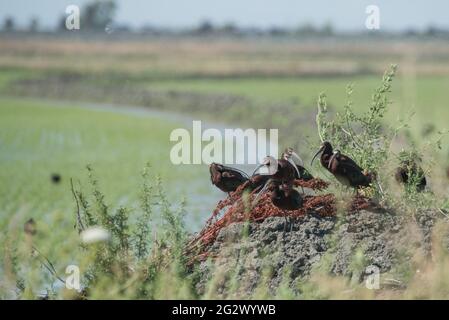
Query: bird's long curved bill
294,166
300,162
316,154
261,192
257,168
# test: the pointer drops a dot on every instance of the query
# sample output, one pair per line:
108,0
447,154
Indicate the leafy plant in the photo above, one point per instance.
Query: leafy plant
362,136
130,263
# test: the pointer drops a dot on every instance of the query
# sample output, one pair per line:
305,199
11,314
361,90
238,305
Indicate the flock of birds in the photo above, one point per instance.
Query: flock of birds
280,174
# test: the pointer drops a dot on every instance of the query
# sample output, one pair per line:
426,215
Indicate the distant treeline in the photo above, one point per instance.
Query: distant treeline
99,16
207,28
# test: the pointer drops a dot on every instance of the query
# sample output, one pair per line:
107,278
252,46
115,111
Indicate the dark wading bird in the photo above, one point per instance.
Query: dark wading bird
281,172
345,170
409,172
285,169
285,198
225,178
257,181
302,172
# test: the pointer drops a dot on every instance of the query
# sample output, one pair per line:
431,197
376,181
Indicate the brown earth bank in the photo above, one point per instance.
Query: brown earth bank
287,249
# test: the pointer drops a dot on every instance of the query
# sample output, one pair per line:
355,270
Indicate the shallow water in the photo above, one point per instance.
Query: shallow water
201,196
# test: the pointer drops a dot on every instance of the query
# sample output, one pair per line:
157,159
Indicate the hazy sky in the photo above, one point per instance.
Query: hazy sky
344,15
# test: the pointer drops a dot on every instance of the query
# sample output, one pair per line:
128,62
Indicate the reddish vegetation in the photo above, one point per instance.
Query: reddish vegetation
238,210
314,184
361,203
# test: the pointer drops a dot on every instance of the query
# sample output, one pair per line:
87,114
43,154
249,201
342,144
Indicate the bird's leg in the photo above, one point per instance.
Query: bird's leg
285,227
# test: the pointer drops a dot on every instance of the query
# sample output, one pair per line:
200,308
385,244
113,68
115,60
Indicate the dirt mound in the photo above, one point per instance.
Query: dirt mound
241,207
259,245
286,250
270,246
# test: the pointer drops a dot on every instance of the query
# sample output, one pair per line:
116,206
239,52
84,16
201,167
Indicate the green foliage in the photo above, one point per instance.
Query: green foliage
129,264
361,136
101,207
144,221
129,250
409,162
173,223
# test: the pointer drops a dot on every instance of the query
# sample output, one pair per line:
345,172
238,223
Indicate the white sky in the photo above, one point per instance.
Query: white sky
344,14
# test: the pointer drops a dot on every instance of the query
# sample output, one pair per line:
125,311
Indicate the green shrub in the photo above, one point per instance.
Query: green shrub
363,137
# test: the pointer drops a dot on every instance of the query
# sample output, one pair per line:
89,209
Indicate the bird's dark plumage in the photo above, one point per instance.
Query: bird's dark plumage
345,170
225,178
410,172
286,171
280,178
282,170
294,158
257,181
286,198
303,173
